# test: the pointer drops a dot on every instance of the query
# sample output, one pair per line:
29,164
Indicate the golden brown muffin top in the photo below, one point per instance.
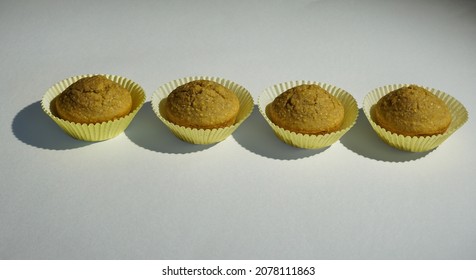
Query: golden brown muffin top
412,111
202,104
307,109
93,100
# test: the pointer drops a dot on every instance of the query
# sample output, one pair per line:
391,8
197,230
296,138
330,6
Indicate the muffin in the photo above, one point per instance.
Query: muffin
196,135
306,109
99,131
412,111
93,100
202,104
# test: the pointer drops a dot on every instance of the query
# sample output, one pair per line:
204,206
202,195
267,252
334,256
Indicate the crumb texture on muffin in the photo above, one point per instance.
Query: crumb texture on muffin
202,104
306,109
412,111
93,100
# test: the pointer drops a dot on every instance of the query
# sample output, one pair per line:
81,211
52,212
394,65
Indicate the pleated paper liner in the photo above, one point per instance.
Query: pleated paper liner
99,131
203,136
308,141
459,116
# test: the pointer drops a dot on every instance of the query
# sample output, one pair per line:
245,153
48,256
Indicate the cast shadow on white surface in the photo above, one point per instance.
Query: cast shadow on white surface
363,140
33,127
256,136
147,131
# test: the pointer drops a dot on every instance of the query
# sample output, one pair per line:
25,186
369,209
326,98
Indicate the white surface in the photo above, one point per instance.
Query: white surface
146,194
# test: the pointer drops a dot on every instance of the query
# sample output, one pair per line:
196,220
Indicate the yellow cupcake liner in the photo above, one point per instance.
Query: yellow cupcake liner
459,116
99,131
308,141
203,136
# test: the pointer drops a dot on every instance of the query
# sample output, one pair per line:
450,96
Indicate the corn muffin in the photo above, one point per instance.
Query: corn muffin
202,104
412,111
92,100
306,109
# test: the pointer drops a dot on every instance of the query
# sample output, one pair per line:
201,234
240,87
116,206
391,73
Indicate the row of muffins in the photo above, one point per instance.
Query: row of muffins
205,110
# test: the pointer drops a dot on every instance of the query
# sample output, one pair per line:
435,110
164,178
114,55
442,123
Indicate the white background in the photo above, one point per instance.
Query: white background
183,269
147,195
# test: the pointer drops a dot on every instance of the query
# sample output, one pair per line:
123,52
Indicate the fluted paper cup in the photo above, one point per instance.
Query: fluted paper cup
203,136
459,115
308,141
98,131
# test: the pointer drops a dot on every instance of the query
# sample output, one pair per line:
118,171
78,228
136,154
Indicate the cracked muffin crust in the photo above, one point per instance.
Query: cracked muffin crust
306,109
412,111
93,100
202,104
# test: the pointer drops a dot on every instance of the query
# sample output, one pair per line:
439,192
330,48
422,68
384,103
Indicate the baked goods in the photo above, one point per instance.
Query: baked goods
412,111
306,109
93,99
196,135
99,131
202,104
